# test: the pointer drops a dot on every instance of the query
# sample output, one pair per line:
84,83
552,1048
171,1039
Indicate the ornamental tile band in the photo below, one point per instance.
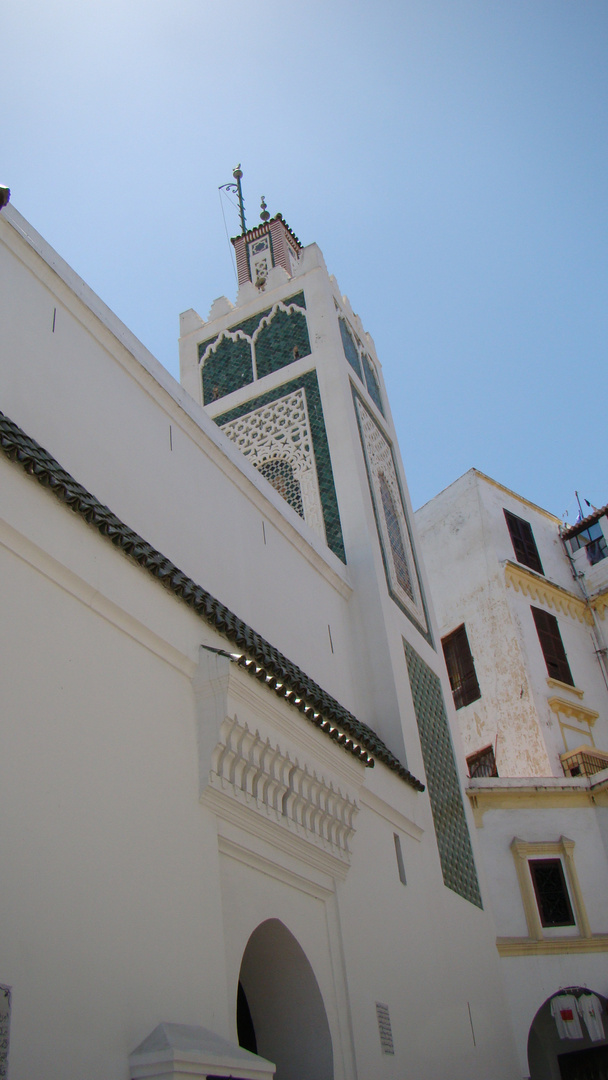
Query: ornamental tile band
453,840
255,654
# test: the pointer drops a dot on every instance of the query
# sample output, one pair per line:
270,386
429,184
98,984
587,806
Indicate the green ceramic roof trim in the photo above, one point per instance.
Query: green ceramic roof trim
36,461
425,633
453,840
325,476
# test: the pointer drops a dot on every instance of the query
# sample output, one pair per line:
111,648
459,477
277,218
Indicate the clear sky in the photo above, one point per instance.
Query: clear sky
450,158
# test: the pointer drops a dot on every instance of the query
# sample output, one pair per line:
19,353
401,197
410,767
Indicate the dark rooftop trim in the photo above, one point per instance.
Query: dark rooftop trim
253,652
580,526
262,229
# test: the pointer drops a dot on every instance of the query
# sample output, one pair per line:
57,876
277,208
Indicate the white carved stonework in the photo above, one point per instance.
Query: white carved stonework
260,259
280,433
257,774
391,520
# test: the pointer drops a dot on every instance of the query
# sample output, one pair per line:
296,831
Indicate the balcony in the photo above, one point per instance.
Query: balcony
584,761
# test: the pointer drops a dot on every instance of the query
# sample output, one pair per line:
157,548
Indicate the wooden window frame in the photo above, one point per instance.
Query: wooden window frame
460,663
552,646
524,544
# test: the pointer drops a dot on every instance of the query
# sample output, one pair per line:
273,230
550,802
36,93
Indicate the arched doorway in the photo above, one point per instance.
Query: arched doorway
568,1038
280,1011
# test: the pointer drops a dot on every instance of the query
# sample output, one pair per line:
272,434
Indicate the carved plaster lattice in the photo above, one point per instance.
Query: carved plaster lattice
280,432
390,515
545,592
252,770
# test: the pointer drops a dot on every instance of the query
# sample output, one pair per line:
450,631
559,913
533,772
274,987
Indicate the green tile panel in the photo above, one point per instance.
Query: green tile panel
451,829
350,349
279,343
371,381
325,476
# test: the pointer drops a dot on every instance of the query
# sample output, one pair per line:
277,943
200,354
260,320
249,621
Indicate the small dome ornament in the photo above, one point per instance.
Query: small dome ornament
264,215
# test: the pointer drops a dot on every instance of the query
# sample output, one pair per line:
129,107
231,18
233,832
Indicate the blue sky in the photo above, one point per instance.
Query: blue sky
450,157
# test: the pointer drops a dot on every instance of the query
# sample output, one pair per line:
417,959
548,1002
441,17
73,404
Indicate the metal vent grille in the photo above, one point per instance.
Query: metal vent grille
384,1028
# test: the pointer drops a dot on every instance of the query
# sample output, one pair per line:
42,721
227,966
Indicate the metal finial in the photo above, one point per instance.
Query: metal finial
264,215
238,175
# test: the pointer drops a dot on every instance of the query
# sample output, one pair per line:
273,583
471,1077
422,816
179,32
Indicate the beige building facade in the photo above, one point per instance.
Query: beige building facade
521,603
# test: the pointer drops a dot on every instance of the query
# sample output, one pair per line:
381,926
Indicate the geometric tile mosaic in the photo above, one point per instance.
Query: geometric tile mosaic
277,440
451,829
316,424
253,348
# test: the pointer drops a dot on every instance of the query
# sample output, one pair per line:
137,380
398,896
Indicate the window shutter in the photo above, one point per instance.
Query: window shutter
524,544
461,667
552,645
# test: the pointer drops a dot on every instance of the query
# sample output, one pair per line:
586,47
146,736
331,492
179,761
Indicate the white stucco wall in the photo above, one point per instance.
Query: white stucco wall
125,900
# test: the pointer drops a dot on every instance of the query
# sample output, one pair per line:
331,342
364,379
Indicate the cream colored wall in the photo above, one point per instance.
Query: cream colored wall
466,547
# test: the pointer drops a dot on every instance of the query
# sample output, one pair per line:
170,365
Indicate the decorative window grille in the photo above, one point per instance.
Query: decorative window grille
552,646
551,892
384,1028
461,667
276,438
395,537
524,544
281,475
391,520
483,763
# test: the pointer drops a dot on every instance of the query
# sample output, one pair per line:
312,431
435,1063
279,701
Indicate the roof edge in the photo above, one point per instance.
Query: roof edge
302,693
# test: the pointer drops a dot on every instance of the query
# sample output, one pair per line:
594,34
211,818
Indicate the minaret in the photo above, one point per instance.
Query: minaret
292,377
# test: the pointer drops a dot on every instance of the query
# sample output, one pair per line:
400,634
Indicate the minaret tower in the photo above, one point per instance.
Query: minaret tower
291,376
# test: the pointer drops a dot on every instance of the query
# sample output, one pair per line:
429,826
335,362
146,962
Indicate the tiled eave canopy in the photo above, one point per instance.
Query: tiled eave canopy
261,230
252,652
579,526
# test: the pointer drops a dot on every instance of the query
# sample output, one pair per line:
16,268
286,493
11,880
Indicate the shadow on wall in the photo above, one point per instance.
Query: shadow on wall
280,1011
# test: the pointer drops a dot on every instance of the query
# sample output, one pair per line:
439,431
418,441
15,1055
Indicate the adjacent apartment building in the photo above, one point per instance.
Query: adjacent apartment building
521,602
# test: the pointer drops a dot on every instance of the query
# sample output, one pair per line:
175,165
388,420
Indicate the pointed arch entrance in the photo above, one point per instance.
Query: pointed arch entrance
280,1011
568,1038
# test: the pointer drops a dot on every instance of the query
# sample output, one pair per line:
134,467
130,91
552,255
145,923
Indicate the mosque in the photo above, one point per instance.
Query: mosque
235,840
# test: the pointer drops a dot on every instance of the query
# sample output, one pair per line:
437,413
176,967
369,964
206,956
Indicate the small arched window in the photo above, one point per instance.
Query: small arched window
283,479
395,536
